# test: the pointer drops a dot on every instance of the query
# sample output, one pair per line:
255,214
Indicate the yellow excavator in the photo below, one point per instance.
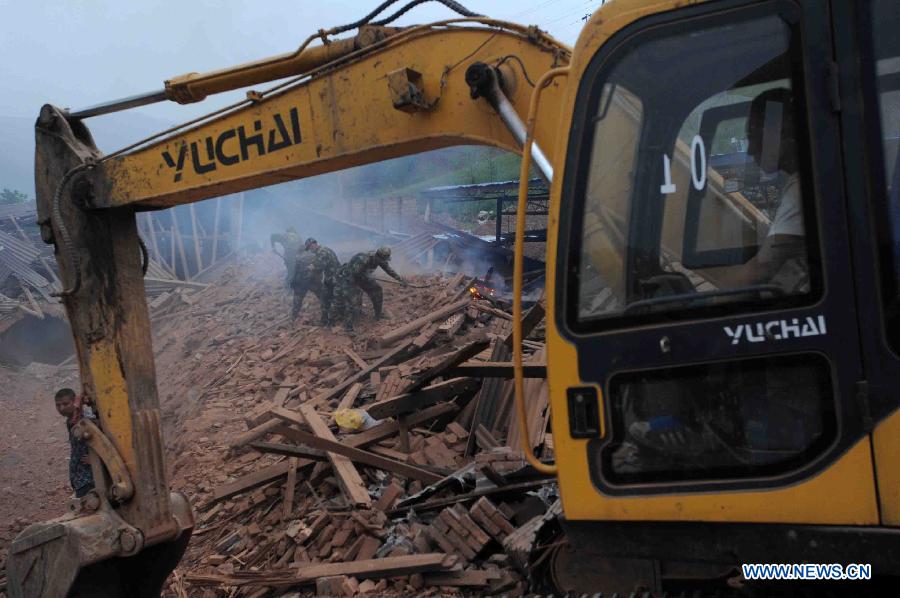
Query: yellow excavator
723,271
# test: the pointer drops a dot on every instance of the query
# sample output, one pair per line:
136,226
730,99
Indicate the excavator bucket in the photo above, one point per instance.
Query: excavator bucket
84,555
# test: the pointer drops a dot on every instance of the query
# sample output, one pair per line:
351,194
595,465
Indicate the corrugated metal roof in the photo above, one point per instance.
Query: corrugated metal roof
18,257
4,272
8,305
19,210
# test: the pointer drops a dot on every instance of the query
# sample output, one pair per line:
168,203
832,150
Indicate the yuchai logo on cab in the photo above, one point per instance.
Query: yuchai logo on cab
776,330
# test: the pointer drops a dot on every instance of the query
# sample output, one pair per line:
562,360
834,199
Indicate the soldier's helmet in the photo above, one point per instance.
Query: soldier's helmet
384,252
310,241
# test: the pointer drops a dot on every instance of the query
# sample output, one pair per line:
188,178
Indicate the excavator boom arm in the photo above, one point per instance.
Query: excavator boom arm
402,96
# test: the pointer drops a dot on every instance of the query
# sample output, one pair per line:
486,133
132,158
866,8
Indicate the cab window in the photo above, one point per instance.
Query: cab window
693,189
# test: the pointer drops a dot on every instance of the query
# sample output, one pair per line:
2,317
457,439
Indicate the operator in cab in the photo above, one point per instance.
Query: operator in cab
772,143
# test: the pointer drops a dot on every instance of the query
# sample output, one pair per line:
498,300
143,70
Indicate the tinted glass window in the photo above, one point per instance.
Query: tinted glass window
732,420
692,192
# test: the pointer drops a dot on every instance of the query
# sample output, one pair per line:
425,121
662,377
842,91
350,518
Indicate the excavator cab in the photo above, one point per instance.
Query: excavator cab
725,273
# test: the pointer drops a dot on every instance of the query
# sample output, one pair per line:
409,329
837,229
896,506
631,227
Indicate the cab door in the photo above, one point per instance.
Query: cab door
704,280
868,60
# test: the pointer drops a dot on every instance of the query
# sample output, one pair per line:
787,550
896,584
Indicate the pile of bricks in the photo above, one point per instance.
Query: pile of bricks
421,499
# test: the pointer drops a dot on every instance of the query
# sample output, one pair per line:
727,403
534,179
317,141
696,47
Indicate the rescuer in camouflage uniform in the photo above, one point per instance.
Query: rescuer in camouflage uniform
290,243
304,280
356,276
316,266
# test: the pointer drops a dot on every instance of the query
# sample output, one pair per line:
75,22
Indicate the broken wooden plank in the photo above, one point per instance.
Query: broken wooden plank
353,355
290,416
493,369
251,481
419,323
396,566
375,434
384,567
448,361
390,428
350,398
485,439
427,335
287,506
392,357
352,484
491,310
281,396
360,456
254,433
530,320
290,450
414,401
440,503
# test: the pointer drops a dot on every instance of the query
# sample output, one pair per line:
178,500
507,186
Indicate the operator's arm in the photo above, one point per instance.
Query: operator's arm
785,242
776,250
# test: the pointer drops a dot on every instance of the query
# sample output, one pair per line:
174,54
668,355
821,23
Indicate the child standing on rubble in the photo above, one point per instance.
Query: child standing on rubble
70,406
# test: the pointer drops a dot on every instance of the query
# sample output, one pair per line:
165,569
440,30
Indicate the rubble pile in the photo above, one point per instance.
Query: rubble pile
380,462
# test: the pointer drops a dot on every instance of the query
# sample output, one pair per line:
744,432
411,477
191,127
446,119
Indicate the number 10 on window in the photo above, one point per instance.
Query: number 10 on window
698,168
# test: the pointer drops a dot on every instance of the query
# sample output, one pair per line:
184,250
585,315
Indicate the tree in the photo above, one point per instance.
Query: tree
11,196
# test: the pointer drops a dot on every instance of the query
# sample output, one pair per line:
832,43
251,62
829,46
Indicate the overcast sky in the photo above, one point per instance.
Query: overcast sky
75,53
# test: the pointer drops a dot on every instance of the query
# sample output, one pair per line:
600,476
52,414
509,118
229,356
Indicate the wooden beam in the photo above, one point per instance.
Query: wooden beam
254,433
353,355
360,455
281,395
352,484
414,401
178,238
362,439
240,223
390,428
198,258
448,361
491,310
289,416
419,323
497,369
350,398
530,320
517,489
392,357
178,283
290,450
215,246
287,506
251,481
172,251
389,566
